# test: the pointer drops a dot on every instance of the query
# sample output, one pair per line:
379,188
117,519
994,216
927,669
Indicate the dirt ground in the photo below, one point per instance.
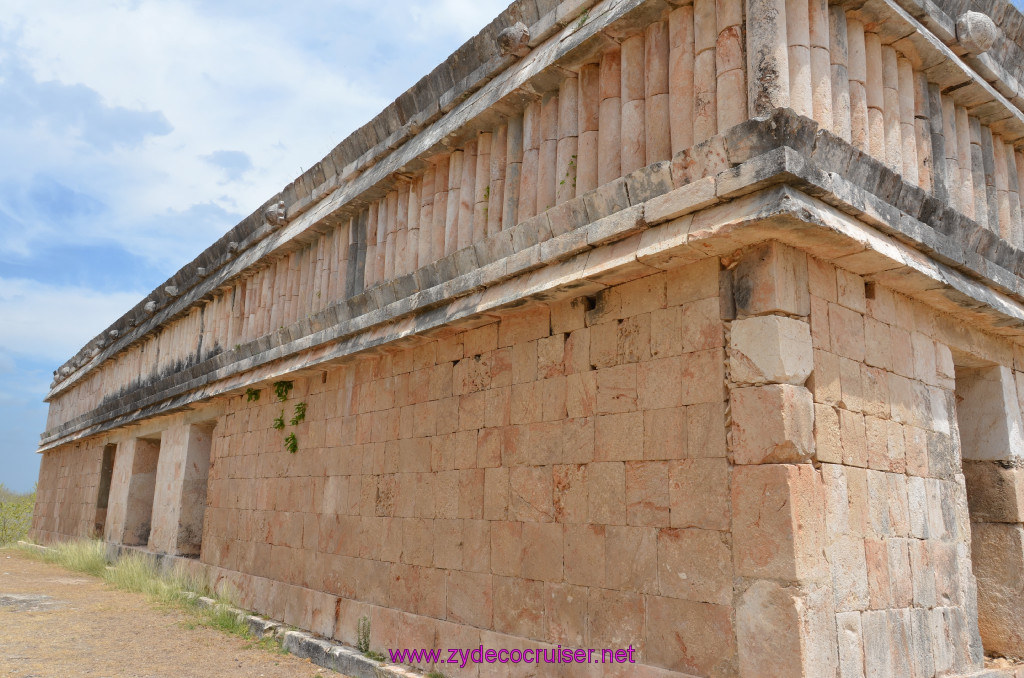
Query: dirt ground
56,623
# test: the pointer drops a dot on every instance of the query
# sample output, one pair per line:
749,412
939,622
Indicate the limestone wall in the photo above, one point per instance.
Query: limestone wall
754,453
67,491
896,504
557,475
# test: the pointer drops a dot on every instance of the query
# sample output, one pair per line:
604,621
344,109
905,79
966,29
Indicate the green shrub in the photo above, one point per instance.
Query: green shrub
15,515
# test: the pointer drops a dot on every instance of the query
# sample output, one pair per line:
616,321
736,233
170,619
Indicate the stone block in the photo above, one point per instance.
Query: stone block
706,430
606,493
825,380
778,522
659,383
616,388
566,614
542,551
649,182
615,619
631,558
837,500
853,436
519,606
851,644
922,657
849,573
846,330
506,548
989,414
665,433
532,493
681,201
877,656
690,637
470,598
699,493
701,325
901,579
695,565
784,630
619,437
772,424
770,349
703,376
995,494
694,282
771,278
921,574
647,493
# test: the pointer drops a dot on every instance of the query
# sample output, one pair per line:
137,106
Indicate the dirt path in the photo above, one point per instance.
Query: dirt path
56,623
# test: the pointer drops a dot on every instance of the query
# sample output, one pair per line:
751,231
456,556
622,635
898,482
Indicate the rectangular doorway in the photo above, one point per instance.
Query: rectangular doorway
988,415
103,491
193,489
141,489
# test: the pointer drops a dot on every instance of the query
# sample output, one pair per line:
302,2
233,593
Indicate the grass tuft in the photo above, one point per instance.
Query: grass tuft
89,557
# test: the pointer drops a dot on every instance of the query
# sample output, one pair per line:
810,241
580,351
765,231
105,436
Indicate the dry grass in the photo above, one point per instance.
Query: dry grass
137,573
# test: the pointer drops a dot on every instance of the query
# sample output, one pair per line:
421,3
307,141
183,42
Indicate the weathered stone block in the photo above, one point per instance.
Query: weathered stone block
989,414
851,644
770,349
771,278
849,573
699,493
695,564
995,494
785,630
772,424
687,636
778,522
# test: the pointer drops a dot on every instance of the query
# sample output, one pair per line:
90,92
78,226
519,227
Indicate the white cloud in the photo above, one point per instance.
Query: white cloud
52,322
221,86
259,83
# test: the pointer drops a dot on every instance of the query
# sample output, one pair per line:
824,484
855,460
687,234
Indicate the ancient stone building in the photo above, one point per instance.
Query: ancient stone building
695,326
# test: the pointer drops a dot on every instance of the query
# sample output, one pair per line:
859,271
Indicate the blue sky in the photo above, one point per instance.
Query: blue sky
135,132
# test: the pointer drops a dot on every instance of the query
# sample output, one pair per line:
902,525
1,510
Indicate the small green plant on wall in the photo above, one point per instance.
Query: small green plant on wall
363,640
363,634
291,443
282,389
252,395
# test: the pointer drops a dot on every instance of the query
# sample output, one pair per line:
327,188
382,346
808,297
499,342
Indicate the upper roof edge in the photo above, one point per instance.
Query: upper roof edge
435,93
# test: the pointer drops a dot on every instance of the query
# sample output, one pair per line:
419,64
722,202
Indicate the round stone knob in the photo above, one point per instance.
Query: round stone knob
975,32
515,39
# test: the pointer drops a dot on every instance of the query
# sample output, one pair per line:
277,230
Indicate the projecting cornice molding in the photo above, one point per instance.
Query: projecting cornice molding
778,178
495,71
